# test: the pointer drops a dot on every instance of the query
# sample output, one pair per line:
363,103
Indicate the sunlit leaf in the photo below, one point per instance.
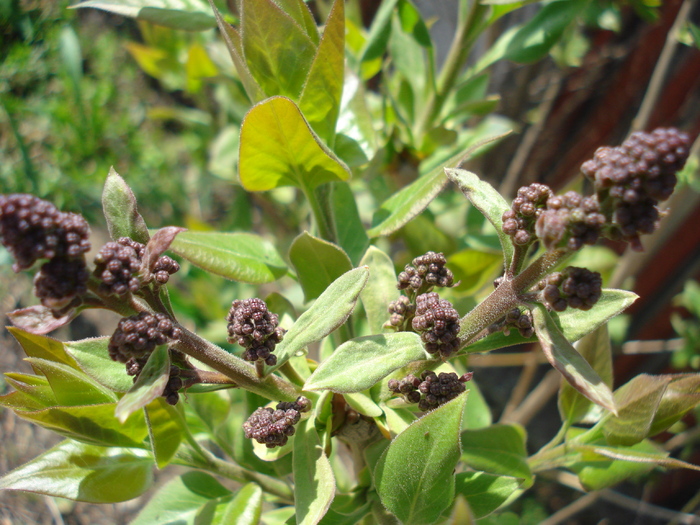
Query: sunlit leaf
83,473
485,492
359,363
498,449
244,257
93,358
318,263
278,148
120,210
149,383
70,386
380,289
415,475
189,15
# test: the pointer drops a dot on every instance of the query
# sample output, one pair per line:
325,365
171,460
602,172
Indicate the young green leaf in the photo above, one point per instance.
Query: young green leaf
363,404
594,348
478,413
180,500
637,402
318,263
192,15
349,230
498,449
681,396
91,424
42,347
573,323
278,148
277,50
70,386
244,509
415,475
314,484
163,430
149,384
487,200
300,12
329,311
408,202
358,364
234,44
84,473
375,46
380,290
36,387
121,212
564,357
93,358
320,99
243,257
486,492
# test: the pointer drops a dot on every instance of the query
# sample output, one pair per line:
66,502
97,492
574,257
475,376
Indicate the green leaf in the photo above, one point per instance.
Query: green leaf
485,492
93,358
415,475
377,39
42,347
121,212
234,44
36,387
92,424
349,229
180,500
314,484
564,357
244,509
163,430
478,413
278,148
498,449
149,384
595,349
408,202
189,15
381,288
70,386
681,396
636,402
329,311
318,263
573,323
300,12
488,201
243,257
83,473
277,50
597,471
363,404
534,40
358,364
413,24
320,99
474,269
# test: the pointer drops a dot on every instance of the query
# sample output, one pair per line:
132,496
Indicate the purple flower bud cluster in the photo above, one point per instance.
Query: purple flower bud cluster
632,178
437,322
430,390
274,427
521,320
400,310
33,229
571,221
519,221
575,287
137,336
427,270
251,325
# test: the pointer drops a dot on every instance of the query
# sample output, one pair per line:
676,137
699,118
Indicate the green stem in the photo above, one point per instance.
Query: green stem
290,373
243,374
209,462
464,39
508,295
321,210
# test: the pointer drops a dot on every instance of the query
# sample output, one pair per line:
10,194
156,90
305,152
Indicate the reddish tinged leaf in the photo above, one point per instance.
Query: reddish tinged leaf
120,209
564,357
681,395
39,319
159,243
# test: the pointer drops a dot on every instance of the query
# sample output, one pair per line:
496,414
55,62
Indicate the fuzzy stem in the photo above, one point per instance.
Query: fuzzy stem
507,296
242,373
205,460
